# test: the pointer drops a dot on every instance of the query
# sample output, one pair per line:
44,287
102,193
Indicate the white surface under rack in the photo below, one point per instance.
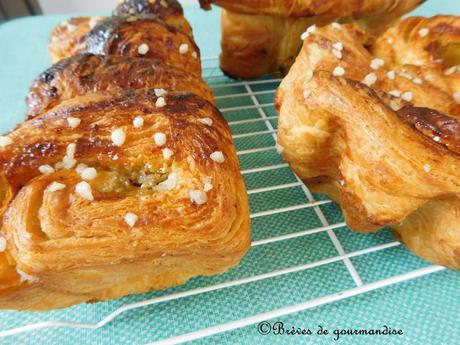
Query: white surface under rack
248,90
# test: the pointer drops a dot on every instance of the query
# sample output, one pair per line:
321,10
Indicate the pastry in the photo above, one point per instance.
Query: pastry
263,36
378,130
123,179
159,23
85,73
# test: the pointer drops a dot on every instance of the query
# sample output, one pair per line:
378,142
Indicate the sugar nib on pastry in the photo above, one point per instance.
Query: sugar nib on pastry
124,177
378,130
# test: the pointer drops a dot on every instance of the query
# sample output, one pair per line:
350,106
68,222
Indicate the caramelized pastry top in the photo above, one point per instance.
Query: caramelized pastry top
123,178
86,73
431,46
141,36
433,124
308,8
344,51
376,127
167,10
134,174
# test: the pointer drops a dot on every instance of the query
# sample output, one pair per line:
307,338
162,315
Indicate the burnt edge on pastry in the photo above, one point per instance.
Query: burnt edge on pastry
107,32
90,72
442,129
433,124
179,108
160,8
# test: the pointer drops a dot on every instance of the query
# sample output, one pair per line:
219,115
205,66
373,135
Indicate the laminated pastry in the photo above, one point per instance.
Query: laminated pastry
263,36
378,129
159,23
123,179
85,73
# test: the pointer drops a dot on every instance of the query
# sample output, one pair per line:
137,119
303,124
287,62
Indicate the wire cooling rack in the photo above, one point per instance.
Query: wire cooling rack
301,250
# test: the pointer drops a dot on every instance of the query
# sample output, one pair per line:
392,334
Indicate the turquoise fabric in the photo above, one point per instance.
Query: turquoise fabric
426,309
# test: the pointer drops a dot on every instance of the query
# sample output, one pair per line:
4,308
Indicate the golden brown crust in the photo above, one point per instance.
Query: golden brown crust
433,124
384,145
262,36
309,8
157,196
46,240
169,11
67,38
432,231
432,45
85,73
122,36
252,47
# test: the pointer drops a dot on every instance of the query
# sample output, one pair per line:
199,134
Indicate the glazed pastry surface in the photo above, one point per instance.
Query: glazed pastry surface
124,177
378,131
85,73
260,37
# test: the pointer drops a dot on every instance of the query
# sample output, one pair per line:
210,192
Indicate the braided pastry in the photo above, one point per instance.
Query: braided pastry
124,177
262,36
378,131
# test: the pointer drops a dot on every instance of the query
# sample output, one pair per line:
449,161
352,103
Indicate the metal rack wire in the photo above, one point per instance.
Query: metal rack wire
248,107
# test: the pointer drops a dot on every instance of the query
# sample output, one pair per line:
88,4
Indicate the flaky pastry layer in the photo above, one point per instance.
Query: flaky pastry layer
124,177
379,136
263,36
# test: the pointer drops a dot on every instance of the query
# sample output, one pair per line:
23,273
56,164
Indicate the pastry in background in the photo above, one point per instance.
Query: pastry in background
263,36
377,129
124,177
